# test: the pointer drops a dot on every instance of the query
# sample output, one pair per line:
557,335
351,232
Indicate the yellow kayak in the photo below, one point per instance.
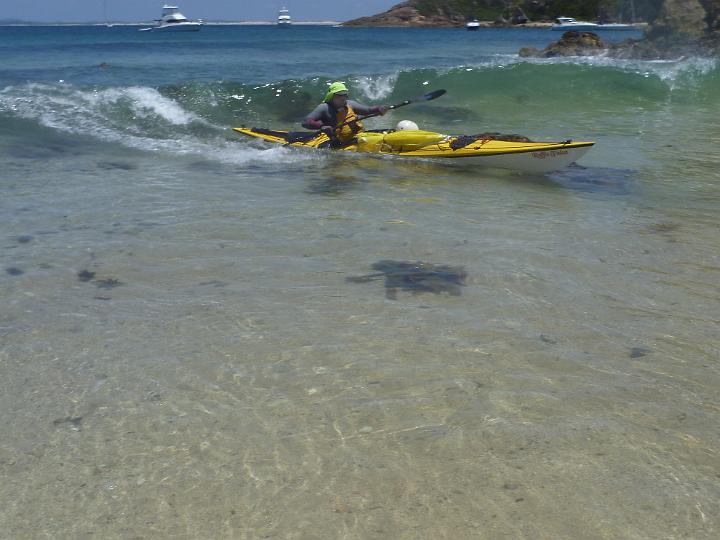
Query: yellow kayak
488,150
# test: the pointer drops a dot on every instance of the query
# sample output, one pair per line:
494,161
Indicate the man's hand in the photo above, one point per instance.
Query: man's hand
328,130
382,109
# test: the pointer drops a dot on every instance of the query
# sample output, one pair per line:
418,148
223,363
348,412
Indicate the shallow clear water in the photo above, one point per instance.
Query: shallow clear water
182,354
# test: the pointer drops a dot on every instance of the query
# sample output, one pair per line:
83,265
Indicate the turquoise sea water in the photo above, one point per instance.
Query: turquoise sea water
182,354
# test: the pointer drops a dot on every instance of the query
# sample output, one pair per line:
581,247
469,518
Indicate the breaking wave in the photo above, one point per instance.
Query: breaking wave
195,117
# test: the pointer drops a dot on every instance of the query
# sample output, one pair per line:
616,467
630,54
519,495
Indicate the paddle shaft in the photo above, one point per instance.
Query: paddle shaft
424,97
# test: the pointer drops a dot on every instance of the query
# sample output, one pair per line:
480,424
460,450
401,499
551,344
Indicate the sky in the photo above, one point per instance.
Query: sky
146,10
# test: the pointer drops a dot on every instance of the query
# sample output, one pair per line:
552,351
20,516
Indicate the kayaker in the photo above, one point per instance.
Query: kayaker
337,116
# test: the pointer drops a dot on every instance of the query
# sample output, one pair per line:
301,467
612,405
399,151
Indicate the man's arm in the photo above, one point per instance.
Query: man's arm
364,110
317,118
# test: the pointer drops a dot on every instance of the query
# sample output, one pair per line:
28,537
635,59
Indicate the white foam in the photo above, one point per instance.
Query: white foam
669,71
377,87
112,115
148,102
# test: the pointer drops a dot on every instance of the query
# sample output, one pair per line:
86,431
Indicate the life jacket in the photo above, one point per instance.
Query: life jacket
348,124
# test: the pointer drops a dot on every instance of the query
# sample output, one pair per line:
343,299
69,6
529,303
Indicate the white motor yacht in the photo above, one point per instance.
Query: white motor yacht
174,21
473,25
568,23
283,19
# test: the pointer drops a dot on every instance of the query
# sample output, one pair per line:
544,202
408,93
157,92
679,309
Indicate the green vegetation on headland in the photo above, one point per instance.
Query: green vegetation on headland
539,10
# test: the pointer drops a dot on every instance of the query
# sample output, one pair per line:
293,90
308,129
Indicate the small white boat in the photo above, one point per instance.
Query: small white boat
473,25
172,20
568,23
283,19
617,26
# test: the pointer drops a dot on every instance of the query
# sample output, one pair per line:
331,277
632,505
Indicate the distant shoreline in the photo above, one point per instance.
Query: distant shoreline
151,23
484,25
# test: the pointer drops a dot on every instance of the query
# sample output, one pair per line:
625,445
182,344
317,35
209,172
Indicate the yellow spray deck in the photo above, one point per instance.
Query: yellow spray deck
538,157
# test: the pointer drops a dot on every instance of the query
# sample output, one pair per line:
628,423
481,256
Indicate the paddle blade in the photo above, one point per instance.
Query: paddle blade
432,95
424,97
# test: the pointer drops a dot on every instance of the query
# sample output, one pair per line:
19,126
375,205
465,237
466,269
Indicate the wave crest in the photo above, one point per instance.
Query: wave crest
509,93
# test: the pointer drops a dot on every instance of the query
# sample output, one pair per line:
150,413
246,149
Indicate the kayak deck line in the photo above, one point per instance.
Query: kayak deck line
489,152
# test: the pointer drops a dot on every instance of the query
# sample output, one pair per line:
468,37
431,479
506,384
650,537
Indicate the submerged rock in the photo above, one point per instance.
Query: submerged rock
416,277
639,352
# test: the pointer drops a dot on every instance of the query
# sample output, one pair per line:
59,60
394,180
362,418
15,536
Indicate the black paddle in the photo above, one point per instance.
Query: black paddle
303,136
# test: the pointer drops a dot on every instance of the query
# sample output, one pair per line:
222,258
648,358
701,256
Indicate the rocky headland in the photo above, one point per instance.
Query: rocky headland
675,28
682,28
451,14
406,14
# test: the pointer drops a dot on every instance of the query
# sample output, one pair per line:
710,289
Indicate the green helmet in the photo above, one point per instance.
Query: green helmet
335,88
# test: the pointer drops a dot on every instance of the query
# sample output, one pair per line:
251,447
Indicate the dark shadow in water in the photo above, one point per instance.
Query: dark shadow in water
595,179
336,179
213,283
75,422
415,277
85,275
639,352
663,228
108,283
333,185
116,165
13,271
350,171
48,146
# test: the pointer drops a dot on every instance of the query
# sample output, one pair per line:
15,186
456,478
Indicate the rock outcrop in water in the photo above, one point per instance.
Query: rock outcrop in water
572,43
